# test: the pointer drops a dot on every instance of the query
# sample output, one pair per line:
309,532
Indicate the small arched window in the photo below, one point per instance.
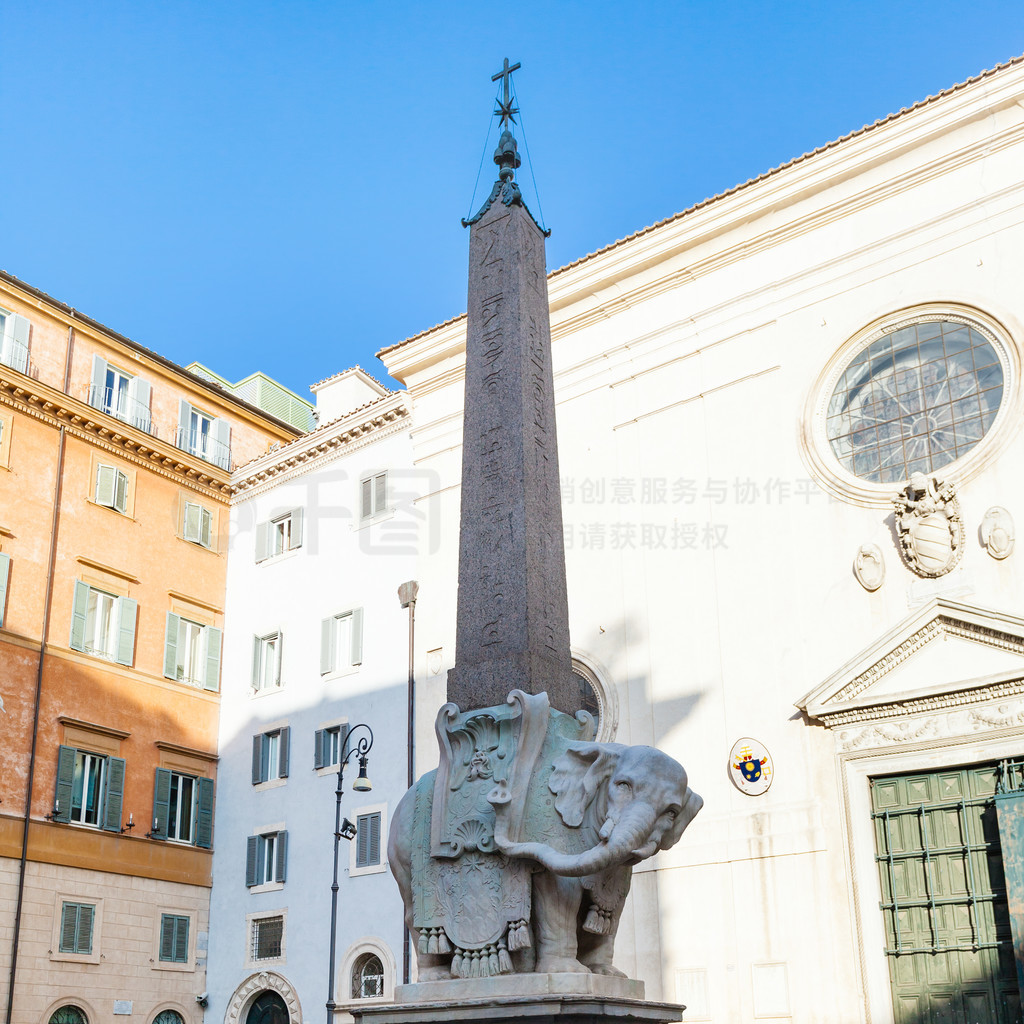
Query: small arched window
68,1015
368,977
168,1017
269,1008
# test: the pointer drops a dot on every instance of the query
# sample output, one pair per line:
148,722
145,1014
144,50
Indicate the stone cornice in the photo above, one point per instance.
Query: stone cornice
57,409
374,422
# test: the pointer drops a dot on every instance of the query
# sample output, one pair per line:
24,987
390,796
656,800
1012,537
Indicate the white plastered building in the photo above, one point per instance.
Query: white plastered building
730,458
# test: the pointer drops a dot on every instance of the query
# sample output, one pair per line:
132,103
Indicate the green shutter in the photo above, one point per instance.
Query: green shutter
69,927
284,743
79,611
211,678
161,803
280,868
296,528
139,392
327,636
220,431
368,840
113,794
5,572
184,415
181,940
205,527
83,940
356,644
167,929
319,742
121,492
204,813
97,389
252,845
171,646
65,779
257,759
127,611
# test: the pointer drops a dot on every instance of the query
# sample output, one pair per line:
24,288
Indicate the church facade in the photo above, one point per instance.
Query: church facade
789,427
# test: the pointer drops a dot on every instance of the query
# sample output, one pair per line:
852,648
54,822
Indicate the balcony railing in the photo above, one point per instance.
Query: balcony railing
205,446
126,409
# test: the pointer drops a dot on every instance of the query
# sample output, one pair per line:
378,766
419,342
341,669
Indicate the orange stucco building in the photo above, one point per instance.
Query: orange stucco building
114,467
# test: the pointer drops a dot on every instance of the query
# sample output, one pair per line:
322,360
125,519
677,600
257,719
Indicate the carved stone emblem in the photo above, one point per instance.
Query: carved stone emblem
997,532
929,526
868,567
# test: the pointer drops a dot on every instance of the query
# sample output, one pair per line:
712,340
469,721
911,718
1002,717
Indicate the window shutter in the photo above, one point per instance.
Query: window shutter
319,742
367,499
167,929
357,636
193,522
280,658
282,755
138,394
327,632
257,759
257,650
205,527
184,415
97,387
362,841
106,482
79,609
65,780
113,794
221,432
69,928
171,646
211,678
252,845
161,803
262,541
83,940
127,611
296,528
380,493
282,857
343,731
121,492
15,343
5,573
204,814
180,940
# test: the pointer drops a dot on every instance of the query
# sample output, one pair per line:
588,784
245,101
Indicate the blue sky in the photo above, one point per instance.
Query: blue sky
278,185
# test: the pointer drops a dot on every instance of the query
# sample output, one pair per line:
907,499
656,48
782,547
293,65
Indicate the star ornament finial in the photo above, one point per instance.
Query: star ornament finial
505,109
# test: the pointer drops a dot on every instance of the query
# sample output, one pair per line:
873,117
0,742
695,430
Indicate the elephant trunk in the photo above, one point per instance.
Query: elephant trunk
627,838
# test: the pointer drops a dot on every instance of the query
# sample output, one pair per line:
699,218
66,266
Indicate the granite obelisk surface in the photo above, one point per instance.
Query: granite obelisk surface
512,630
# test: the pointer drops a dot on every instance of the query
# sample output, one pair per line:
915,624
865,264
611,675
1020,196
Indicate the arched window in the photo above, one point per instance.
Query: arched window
596,697
68,1015
168,1017
269,1008
368,977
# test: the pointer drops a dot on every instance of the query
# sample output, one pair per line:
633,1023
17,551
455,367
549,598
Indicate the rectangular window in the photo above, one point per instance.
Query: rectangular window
120,394
266,662
204,435
373,495
278,535
270,755
103,624
90,788
368,840
76,921
198,525
14,331
267,938
341,641
183,808
111,489
266,858
174,938
192,652
328,745
5,575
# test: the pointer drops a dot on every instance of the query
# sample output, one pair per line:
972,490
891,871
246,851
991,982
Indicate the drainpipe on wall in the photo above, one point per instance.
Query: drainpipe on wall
48,601
407,597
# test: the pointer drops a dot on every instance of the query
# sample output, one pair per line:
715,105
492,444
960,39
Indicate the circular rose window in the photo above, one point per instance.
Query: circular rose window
914,400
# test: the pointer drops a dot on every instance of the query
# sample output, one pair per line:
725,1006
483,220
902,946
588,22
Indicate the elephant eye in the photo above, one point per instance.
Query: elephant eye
622,784
671,815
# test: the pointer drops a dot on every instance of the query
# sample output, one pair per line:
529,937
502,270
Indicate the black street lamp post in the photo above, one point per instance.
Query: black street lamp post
347,830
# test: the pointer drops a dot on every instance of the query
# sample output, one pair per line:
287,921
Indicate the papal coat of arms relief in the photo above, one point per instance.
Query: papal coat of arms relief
929,526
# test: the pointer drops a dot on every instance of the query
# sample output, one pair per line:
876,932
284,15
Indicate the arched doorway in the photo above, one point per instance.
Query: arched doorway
268,1008
68,1015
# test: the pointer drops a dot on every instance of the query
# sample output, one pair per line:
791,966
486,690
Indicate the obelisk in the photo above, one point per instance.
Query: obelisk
513,624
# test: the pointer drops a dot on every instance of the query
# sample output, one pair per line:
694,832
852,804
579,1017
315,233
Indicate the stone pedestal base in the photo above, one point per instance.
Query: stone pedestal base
522,999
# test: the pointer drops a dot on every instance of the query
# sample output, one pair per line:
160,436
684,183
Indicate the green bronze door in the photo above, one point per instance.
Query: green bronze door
947,927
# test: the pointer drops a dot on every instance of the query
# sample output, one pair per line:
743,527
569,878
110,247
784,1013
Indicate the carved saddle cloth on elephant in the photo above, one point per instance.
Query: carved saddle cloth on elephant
472,901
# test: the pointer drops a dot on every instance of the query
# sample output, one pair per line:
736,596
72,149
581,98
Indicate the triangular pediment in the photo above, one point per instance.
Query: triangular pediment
944,652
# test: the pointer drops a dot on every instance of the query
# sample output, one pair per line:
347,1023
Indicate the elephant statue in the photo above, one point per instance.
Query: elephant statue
516,855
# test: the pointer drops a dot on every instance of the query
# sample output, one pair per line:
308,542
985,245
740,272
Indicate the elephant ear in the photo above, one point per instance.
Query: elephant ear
578,776
691,805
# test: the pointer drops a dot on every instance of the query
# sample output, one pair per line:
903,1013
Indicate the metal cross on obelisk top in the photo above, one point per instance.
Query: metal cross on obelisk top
505,109
512,631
